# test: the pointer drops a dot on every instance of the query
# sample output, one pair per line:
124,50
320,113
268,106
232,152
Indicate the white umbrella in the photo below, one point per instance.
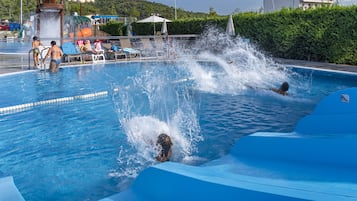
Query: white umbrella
153,19
164,27
230,27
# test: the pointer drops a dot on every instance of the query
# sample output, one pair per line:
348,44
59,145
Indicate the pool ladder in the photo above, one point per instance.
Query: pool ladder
42,65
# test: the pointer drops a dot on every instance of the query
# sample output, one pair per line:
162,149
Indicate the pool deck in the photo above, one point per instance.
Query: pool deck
319,65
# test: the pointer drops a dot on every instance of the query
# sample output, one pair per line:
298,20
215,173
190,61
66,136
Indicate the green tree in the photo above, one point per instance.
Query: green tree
134,12
212,12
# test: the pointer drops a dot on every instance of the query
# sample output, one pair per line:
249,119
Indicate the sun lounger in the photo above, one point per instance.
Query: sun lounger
113,51
160,47
147,49
95,55
70,51
127,48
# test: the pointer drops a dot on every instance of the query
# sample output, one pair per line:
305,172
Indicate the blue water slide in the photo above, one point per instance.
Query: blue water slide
315,162
8,190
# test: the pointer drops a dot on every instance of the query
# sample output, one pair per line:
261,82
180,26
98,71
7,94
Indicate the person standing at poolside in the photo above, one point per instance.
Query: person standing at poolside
56,55
36,51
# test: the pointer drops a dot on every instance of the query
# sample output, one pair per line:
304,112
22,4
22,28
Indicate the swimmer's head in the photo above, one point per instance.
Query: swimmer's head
53,42
164,140
284,87
35,38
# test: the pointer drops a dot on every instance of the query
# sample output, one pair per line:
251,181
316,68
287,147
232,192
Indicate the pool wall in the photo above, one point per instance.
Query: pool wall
315,162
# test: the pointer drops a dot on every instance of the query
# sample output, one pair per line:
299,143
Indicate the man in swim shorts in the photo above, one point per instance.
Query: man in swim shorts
36,51
165,142
56,56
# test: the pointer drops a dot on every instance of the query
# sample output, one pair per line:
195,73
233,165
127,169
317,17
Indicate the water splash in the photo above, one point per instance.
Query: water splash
237,65
148,104
165,99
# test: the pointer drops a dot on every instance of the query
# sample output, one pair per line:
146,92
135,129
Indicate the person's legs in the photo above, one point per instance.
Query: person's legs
53,66
35,58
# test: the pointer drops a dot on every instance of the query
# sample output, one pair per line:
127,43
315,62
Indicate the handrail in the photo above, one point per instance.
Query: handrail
29,58
43,62
31,50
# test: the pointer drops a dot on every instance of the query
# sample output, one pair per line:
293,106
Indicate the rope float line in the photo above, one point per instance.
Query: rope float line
27,106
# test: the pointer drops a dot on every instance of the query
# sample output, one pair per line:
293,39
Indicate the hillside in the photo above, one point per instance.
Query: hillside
10,9
141,9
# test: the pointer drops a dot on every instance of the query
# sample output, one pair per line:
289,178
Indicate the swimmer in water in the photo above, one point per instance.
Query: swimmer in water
283,90
165,142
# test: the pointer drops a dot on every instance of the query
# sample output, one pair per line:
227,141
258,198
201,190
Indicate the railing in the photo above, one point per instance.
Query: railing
41,58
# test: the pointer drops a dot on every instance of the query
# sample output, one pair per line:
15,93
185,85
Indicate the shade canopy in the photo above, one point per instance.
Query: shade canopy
230,27
77,19
153,19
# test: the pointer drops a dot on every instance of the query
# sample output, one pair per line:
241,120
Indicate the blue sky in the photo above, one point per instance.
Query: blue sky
223,7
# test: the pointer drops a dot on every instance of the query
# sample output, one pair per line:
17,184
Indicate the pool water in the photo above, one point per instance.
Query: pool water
91,147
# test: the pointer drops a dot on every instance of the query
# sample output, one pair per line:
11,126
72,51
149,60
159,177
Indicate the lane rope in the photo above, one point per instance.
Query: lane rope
28,106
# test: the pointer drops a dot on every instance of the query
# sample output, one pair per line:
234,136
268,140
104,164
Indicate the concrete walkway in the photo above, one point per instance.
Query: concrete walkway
330,66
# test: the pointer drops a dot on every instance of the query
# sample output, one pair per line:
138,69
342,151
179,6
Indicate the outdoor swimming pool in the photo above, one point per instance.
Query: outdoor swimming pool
93,146
86,132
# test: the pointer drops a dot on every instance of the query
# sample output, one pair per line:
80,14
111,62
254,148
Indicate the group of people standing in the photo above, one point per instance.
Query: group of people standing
54,52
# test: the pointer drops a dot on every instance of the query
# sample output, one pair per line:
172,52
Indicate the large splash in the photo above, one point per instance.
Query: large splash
165,99
238,65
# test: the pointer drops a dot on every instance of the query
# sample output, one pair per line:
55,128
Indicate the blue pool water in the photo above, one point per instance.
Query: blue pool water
92,147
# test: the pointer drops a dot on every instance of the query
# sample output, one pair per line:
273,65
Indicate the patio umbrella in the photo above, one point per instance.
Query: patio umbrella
164,27
230,27
153,19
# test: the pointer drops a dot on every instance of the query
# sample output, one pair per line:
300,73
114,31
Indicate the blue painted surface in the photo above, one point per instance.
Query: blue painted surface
8,190
316,162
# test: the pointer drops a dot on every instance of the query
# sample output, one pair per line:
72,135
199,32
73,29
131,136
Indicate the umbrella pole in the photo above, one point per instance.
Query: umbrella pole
154,29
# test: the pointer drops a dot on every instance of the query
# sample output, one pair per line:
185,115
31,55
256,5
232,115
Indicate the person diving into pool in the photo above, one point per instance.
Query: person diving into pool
165,144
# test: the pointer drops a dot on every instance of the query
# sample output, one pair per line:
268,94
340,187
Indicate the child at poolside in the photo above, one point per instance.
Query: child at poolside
98,47
80,44
36,51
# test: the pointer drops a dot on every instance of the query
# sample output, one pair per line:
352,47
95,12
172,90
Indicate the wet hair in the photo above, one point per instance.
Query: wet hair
35,38
284,87
164,140
53,42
